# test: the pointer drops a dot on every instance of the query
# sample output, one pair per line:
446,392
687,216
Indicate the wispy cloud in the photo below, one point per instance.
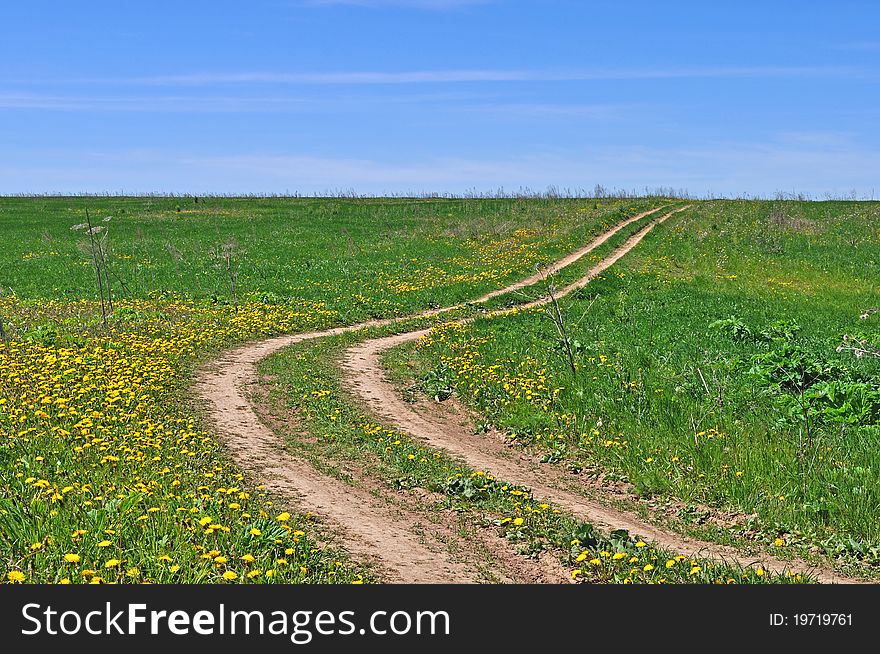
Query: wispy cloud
470,75
344,102
727,168
163,104
552,110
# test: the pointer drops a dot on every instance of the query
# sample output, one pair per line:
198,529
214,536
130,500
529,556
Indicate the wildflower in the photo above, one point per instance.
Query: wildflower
112,563
16,577
760,572
517,521
618,555
779,542
248,558
229,575
283,517
648,567
105,543
670,563
72,558
256,532
174,568
641,543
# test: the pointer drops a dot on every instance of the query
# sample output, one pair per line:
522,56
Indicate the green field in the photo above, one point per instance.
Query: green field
109,474
711,379
712,375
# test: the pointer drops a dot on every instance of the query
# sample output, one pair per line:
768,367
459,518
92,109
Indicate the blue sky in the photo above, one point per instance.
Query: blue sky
396,96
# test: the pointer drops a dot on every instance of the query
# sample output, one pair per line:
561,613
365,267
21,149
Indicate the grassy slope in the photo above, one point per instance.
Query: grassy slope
101,446
667,403
360,257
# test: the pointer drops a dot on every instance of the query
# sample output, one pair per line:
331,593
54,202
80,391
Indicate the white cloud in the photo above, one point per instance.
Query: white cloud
158,104
718,168
469,76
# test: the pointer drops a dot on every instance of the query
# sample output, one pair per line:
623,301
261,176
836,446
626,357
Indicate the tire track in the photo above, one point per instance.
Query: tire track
366,379
371,530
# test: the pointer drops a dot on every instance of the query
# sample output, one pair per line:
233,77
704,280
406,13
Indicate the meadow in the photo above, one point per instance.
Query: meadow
109,471
720,378
723,376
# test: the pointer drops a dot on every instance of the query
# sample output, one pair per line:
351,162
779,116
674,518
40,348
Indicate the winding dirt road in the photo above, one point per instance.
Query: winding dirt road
373,530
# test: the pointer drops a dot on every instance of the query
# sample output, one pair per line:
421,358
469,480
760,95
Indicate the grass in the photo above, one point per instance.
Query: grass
708,375
305,383
108,473
361,258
